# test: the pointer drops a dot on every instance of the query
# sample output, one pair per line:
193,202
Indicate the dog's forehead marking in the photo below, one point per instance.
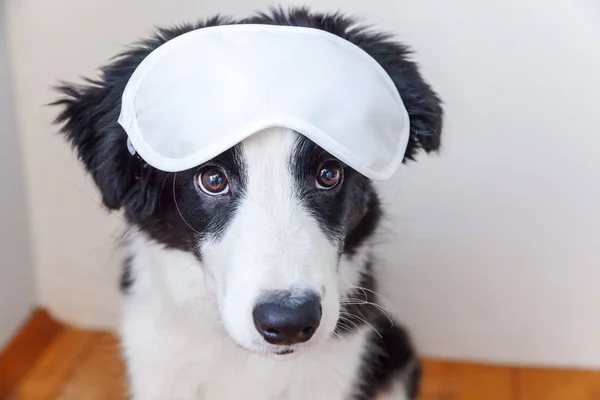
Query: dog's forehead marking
267,155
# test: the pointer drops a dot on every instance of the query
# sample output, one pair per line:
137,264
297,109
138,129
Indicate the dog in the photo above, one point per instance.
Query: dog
252,276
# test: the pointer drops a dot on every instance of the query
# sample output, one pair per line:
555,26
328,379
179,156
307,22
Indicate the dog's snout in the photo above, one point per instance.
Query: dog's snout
284,318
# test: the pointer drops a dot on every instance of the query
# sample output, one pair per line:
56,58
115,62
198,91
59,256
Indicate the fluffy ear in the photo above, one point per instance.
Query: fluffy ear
89,122
422,103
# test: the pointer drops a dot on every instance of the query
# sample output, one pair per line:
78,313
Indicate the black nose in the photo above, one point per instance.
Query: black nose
284,318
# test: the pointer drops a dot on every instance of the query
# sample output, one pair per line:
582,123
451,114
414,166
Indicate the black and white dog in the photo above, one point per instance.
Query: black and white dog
251,276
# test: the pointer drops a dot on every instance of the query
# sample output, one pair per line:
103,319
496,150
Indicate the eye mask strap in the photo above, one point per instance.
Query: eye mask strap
130,147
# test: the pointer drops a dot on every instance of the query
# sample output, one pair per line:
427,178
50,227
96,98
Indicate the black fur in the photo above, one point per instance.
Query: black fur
366,225
390,355
183,216
391,352
127,278
349,212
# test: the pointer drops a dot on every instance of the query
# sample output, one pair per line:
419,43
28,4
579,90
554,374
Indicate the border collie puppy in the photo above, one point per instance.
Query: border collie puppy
251,276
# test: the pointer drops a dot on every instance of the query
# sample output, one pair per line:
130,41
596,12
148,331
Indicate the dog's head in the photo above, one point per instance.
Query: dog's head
279,226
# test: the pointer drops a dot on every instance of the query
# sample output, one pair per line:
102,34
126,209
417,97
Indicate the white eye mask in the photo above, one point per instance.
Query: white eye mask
207,90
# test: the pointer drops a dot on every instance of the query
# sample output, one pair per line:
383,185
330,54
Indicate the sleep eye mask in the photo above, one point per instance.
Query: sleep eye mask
205,91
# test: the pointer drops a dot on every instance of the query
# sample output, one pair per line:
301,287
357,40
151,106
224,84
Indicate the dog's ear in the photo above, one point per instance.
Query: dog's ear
89,114
423,104
89,122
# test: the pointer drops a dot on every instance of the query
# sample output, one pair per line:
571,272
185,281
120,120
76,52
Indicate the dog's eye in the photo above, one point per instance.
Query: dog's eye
212,181
330,175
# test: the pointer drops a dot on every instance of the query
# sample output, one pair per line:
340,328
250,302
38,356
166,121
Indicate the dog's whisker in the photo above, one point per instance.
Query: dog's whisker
337,335
365,321
162,187
383,310
346,327
376,293
355,300
366,303
177,206
347,320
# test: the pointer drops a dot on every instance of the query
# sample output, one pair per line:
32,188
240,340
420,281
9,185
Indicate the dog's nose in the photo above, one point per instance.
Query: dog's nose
284,318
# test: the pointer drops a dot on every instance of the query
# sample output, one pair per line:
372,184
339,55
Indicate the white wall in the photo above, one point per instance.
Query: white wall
16,288
496,251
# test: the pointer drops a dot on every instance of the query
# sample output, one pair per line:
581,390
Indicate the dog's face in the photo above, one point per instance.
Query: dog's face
279,211
270,222
274,222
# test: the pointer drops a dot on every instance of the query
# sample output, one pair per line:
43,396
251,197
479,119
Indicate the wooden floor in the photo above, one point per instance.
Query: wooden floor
82,365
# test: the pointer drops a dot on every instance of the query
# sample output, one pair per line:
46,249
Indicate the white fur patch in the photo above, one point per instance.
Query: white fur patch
272,243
